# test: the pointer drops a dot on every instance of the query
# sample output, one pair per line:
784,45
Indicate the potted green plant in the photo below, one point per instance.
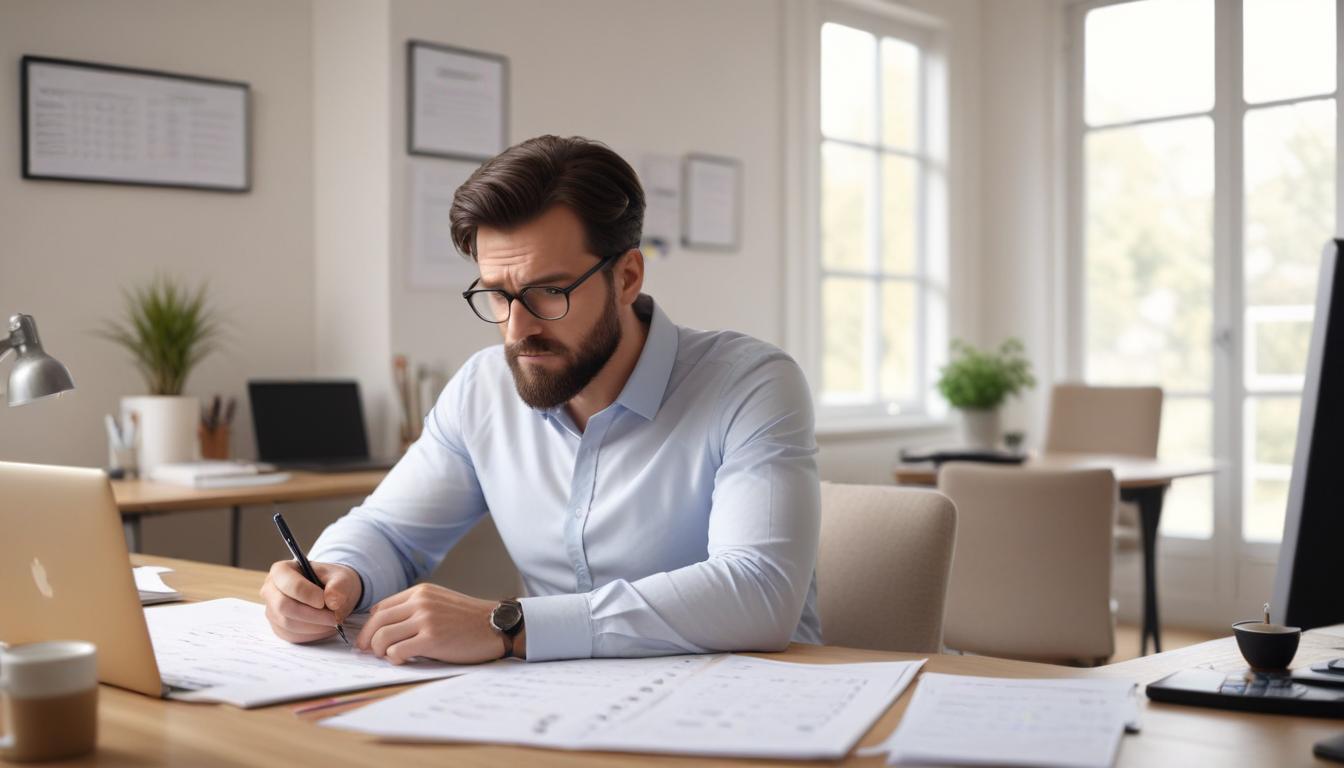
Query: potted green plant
168,328
977,382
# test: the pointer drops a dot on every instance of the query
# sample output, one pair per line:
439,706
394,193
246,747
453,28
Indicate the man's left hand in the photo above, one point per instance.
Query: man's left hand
434,622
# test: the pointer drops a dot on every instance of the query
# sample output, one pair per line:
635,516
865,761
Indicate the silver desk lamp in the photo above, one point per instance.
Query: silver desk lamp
36,374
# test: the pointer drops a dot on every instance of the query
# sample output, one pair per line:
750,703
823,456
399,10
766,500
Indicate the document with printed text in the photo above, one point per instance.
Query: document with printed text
964,720
224,650
730,706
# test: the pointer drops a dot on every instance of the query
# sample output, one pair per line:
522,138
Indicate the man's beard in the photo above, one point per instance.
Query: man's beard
542,389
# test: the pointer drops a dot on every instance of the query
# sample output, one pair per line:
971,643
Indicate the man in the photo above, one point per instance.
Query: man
656,486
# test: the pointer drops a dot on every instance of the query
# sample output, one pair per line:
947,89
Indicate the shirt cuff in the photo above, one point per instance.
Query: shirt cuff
558,627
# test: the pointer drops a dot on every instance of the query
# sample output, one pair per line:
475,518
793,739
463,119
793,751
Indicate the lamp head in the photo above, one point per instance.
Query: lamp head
36,374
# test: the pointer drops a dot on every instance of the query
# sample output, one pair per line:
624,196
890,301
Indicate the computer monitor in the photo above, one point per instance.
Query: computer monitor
1309,585
308,420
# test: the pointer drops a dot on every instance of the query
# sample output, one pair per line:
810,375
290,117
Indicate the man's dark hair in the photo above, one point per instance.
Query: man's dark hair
525,180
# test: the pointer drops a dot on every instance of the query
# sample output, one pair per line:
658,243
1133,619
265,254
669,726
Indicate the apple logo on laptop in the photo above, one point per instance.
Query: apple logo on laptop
40,578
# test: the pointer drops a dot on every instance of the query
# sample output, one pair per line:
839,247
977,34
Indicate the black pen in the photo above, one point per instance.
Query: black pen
304,565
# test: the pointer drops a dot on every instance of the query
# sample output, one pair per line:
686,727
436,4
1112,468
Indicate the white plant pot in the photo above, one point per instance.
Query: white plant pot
980,428
167,428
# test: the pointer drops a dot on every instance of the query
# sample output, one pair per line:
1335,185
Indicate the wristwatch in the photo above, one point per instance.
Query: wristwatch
507,620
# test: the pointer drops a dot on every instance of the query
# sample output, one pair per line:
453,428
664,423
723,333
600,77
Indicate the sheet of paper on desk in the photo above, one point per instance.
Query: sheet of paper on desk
148,578
225,651
963,720
734,706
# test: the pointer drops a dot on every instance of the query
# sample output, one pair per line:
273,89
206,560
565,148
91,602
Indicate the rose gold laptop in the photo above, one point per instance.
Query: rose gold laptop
65,573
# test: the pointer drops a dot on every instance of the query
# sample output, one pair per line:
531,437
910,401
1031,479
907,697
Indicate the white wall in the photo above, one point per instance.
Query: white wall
352,69
311,263
644,77
1019,151
68,248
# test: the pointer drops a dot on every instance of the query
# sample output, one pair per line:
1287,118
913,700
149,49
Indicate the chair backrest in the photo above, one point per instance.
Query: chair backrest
882,566
1031,575
1119,420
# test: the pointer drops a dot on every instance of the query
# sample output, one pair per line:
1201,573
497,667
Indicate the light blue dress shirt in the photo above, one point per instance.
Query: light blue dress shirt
684,519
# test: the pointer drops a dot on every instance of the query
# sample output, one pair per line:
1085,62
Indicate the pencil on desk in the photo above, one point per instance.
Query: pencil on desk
338,701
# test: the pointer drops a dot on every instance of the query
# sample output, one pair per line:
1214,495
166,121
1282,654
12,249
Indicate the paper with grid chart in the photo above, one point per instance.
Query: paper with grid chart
224,650
964,720
728,706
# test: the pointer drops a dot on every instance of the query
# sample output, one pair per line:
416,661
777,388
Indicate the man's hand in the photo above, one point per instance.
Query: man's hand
299,610
433,622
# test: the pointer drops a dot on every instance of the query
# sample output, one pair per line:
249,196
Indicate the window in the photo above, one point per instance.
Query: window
1288,199
881,302
1206,162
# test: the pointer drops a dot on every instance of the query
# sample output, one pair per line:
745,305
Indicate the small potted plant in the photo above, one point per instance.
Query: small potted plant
977,382
168,328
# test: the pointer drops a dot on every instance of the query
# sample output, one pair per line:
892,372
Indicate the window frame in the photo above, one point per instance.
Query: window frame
932,254
1233,390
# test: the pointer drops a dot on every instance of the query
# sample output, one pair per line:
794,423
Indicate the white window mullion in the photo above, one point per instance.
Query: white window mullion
875,330
1228,299
922,214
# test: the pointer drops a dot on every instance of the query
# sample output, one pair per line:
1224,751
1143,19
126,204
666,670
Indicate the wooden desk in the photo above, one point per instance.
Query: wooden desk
1131,472
1142,481
138,730
139,498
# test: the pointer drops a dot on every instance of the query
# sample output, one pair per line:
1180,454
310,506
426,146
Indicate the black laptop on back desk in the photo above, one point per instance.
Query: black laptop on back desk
314,425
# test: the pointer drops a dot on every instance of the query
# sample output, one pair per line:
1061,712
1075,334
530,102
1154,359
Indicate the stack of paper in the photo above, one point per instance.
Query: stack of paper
729,706
962,720
224,650
149,582
216,474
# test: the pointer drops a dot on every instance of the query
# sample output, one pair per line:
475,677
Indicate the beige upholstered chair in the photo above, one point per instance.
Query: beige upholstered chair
882,566
1031,574
1116,420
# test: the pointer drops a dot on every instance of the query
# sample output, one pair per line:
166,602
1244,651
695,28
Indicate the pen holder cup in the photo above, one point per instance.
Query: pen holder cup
1267,646
122,457
214,442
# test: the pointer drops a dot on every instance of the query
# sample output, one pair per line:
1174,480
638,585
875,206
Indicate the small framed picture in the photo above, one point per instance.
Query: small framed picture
457,102
712,213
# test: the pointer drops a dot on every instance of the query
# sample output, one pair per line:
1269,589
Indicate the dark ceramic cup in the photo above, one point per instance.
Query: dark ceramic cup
1267,646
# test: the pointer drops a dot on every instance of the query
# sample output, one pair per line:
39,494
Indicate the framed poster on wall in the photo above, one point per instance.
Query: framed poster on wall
119,125
457,102
712,211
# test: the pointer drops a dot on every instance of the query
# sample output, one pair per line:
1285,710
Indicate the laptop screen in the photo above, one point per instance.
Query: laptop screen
308,421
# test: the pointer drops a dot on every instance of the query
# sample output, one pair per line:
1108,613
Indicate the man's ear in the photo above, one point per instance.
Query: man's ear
629,274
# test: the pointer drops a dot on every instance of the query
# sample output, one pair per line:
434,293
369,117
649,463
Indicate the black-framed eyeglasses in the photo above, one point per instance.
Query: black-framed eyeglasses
545,302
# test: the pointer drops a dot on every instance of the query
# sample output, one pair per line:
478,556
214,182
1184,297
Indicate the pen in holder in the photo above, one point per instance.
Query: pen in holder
122,456
214,443
213,431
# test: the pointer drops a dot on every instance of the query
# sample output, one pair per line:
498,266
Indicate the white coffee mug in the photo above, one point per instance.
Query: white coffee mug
50,693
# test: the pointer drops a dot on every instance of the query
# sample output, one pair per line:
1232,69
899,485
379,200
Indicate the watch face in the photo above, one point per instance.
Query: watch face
506,616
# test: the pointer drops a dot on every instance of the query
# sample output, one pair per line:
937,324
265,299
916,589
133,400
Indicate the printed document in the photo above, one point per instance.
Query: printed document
728,706
224,650
963,720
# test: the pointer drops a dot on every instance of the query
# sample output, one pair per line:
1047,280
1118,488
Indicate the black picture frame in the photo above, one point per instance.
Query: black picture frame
27,171
412,147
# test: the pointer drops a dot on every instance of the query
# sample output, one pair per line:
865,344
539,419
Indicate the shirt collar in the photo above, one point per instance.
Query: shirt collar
644,390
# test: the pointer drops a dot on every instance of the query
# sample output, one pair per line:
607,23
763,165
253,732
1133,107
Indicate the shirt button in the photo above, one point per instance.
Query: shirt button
578,511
